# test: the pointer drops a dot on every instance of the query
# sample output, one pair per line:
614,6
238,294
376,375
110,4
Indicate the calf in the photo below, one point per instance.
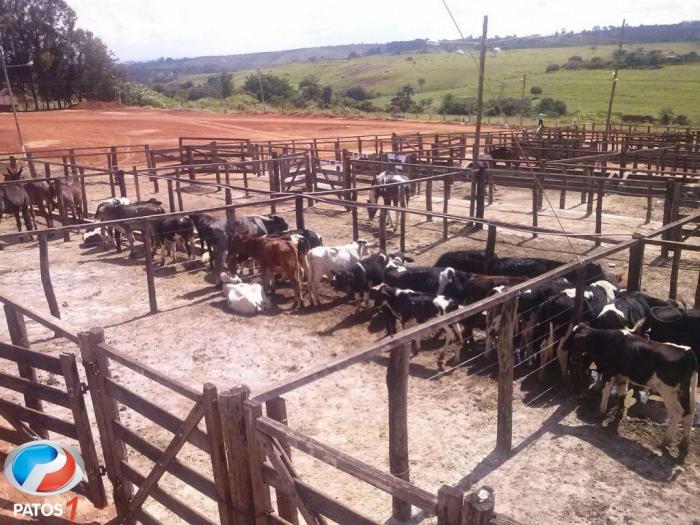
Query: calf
39,194
273,255
15,200
434,281
622,357
674,325
325,259
108,234
213,235
627,310
470,261
130,211
71,194
305,240
401,305
244,298
256,225
171,231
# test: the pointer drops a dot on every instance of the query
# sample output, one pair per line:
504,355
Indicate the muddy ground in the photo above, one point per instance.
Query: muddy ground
566,466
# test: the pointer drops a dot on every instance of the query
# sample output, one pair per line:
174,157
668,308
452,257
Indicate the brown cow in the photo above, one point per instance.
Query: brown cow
72,196
275,256
39,194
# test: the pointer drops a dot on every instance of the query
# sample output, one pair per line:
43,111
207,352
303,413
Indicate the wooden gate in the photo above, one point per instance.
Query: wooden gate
29,420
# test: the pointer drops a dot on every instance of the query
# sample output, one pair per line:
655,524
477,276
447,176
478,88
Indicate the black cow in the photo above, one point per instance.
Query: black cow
129,211
257,225
404,306
312,238
434,281
622,357
668,324
470,261
627,310
172,231
212,233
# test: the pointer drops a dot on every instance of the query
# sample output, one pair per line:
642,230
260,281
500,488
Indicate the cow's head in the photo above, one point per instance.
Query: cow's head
276,224
342,281
227,278
13,174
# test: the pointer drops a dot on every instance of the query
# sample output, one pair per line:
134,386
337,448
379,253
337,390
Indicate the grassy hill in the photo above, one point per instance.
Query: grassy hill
640,91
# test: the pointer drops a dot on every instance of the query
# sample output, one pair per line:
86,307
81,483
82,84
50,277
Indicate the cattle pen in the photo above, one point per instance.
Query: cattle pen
246,468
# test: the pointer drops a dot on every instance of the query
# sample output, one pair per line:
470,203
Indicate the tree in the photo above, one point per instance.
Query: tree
273,86
552,67
666,116
549,106
404,98
421,83
327,96
358,93
310,88
681,120
535,91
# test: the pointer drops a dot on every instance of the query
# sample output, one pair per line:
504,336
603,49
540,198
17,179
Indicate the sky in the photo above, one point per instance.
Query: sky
149,29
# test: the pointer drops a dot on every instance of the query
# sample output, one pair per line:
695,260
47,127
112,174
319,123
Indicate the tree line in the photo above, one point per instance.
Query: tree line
68,63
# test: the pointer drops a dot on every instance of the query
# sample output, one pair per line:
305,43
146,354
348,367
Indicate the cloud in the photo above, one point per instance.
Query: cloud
139,30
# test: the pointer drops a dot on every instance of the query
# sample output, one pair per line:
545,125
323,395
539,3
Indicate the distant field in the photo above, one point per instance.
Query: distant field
638,92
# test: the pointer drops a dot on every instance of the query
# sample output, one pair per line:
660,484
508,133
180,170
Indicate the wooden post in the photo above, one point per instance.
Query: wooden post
504,435
277,410
599,212
347,173
449,507
274,180
589,196
480,95
697,294
122,182
46,276
535,202
151,163
429,196
212,417
673,287
445,203
233,423
260,490
30,163
382,230
106,412
62,207
19,337
83,192
171,195
150,278
188,149
299,209
402,231
480,196
137,187
490,247
355,224
178,190
478,507
635,267
96,489
229,211
110,169
397,385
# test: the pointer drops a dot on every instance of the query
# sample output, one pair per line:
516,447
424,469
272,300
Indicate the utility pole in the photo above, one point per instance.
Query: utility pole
480,95
262,93
522,100
12,99
614,84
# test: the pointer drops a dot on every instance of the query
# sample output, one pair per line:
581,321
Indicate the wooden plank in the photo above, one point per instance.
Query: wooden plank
155,413
46,276
150,373
177,506
397,386
277,409
504,432
175,467
673,281
449,505
345,463
233,423
24,386
382,230
13,436
39,420
673,245
150,277
189,425
261,492
219,467
34,359
58,326
636,266
95,487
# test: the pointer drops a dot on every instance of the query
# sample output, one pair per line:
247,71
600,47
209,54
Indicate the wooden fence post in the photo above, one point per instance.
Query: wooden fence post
178,190
171,195
599,211
347,174
233,423
675,264
429,196
402,231
274,173
445,204
382,230
480,196
299,210
106,412
697,294
355,224
62,207
137,186
397,385
121,180
46,276
83,192
30,163
261,491
589,196
277,410
635,266
230,212
478,507
212,418
535,202
504,435
19,337
150,278
151,163
449,507
96,488
490,247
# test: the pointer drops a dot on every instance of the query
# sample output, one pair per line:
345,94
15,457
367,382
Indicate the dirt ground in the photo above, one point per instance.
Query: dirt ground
157,127
595,473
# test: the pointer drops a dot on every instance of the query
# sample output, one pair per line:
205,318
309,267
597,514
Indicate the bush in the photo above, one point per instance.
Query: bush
681,120
536,91
274,87
550,106
552,67
507,106
135,94
205,91
358,93
452,106
666,116
404,98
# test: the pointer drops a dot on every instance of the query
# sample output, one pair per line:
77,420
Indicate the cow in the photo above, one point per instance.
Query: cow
71,195
15,200
171,231
130,211
273,255
470,261
394,195
39,194
110,235
256,225
627,310
554,320
622,356
396,304
305,240
243,298
434,281
325,259
674,325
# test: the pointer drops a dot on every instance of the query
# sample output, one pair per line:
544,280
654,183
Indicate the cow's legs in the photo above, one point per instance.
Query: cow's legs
689,412
546,351
130,238
603,407
173,247
622,387
18,220
562,354
674,409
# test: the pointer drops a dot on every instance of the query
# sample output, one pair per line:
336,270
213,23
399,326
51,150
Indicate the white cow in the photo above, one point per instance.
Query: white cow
108,233
326,259
244,298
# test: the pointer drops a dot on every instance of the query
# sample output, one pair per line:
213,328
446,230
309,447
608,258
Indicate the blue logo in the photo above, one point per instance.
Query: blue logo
44,468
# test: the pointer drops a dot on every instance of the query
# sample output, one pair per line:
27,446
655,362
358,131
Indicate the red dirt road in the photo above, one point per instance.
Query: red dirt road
124,126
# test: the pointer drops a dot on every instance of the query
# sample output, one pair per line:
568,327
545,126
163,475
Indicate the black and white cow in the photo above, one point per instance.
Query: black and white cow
129,211
403,306
674,325
623,357
627,310
172,231
470,261
257,225
393,195
434,281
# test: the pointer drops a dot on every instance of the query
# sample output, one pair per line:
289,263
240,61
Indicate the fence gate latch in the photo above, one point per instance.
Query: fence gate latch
83,388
